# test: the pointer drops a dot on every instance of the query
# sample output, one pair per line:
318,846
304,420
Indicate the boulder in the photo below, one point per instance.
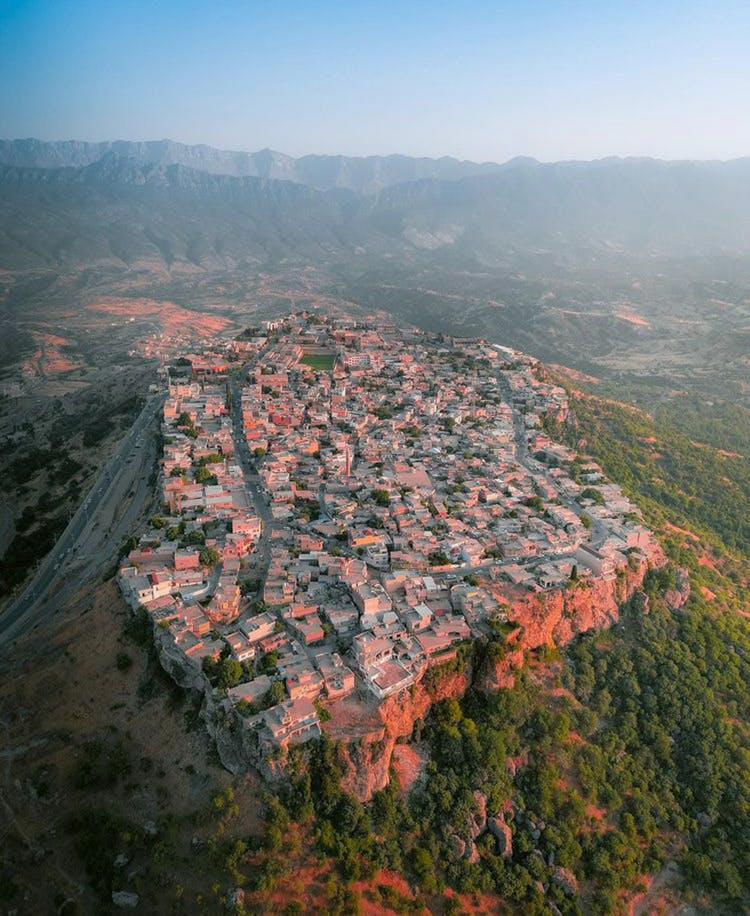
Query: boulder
458,846
472,853
236,898
565,879
150,828
125,900
677,597
473,826
502,833
122,860
641,602
480,803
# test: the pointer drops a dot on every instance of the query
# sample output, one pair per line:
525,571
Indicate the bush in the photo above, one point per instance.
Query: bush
101,765
124,661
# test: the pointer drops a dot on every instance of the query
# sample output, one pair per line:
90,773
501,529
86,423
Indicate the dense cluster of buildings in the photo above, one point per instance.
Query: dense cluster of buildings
362,502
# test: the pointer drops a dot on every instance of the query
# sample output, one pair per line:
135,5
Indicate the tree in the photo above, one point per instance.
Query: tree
592,494
275,694
381,497
203,475
209,556
268,662
229,673
424,869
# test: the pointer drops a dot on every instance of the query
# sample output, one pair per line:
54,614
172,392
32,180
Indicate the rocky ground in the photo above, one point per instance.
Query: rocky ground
90,723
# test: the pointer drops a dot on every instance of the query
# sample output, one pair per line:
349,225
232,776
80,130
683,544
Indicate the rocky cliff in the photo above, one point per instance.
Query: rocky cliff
548,618
541,619
556,617
370,756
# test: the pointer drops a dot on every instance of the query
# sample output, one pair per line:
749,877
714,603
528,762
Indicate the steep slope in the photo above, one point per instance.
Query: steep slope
117,211
641,206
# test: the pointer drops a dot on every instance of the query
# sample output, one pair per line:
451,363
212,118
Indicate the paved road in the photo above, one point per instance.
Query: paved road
599,531
6,526
95,531
250,472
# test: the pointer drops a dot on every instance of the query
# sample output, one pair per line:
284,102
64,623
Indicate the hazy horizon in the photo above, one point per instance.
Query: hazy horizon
383,155
484,82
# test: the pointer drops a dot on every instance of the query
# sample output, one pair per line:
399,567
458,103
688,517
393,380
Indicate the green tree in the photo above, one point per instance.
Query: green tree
209,556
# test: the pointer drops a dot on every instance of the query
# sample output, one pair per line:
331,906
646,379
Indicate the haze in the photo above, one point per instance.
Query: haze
485,81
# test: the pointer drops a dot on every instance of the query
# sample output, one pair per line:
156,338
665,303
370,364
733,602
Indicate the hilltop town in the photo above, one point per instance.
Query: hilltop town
345,506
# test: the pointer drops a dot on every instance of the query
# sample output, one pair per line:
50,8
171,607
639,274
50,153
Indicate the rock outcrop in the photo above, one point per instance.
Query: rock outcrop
565,879
677,597
370,757
556,617
458,846
502,833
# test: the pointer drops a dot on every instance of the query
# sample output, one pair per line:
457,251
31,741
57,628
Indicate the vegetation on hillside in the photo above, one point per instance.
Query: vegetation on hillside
629,751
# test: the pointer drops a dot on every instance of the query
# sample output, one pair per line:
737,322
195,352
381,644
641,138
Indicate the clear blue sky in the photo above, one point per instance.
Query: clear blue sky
477,80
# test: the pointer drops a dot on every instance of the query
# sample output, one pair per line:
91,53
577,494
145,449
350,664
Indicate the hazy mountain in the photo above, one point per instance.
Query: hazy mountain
122,209
119,210
641,206
364,174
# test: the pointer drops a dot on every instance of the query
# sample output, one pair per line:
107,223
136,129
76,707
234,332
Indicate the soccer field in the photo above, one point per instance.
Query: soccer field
321,361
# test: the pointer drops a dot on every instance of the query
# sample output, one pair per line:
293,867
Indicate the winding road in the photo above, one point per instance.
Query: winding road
94,533
250,472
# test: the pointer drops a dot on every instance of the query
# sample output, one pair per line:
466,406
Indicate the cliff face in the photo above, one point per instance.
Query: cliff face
555,618
370,757
549,618
237,745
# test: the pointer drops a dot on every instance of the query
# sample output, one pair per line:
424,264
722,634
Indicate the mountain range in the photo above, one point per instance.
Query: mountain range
81,204
365,174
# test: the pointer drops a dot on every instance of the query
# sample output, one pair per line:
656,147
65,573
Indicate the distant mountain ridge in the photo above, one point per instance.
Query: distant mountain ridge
121,211
364,174
128,211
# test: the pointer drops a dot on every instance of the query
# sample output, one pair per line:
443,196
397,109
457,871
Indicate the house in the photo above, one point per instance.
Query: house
338,679
310,629
305,682
252,691
292,722
369,649
370,597
258,627
418,618
240,646
591,559
186,558
387,677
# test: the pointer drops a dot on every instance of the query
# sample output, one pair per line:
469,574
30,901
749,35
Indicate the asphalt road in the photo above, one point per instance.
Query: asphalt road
247,464
95,531
599,531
